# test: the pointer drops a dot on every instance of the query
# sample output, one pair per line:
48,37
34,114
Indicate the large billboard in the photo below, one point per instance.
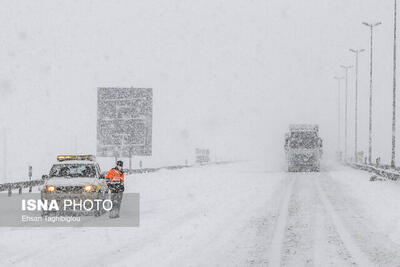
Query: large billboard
124,121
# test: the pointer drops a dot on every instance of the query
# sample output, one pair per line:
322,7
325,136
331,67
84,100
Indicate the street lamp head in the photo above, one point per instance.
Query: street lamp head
357,50
346,67
372,24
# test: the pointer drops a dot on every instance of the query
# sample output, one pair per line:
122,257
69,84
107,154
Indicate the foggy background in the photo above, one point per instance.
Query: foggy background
226,75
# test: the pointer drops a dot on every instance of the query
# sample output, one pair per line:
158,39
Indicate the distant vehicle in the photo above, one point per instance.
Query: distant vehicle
74,177
303,148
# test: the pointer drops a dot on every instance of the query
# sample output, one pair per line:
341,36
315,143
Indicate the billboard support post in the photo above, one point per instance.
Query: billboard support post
30,177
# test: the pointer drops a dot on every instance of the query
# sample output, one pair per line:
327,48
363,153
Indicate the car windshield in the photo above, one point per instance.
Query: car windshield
73,170
303,140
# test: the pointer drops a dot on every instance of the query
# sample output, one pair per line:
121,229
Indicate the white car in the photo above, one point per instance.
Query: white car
75,177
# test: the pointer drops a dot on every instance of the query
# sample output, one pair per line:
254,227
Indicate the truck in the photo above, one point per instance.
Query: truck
303,148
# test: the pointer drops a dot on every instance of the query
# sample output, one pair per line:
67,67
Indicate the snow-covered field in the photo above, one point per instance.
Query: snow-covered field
242,214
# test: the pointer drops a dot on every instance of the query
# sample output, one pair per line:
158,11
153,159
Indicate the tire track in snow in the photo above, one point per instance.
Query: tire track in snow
359,257
328,248
318,244
345,191
298,242
280,229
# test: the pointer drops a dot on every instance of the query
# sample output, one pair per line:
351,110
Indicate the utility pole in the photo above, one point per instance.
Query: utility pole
5,153
338,79
393,161
357,52
371,26
346,68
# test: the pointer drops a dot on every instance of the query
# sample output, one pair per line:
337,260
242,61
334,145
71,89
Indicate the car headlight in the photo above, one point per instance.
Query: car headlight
88,188
50,188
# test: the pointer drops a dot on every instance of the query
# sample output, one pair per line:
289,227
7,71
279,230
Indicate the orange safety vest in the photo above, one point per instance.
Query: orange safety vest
115,176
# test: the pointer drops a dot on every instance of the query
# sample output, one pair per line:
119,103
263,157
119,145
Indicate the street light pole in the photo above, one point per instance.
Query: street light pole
338,97
393,163
346,68
357,52
371,26
5,153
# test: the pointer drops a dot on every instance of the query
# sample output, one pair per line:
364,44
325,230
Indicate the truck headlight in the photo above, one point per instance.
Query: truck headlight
88,188
50,188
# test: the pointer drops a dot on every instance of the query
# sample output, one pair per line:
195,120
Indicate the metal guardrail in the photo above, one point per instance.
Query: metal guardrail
20,185
384,171
147,170
174,167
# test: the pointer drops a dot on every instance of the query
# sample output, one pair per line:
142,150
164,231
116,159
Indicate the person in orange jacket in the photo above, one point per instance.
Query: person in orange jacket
116,174
115,181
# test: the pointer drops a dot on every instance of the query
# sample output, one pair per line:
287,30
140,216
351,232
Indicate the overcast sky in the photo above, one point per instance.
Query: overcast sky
227,75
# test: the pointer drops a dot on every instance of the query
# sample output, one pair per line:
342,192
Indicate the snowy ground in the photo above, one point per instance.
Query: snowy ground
243,214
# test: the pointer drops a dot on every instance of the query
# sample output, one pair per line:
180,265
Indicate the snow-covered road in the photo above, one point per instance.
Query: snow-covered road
242,214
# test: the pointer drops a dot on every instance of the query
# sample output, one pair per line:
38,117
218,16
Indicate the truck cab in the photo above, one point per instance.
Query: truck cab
303,148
